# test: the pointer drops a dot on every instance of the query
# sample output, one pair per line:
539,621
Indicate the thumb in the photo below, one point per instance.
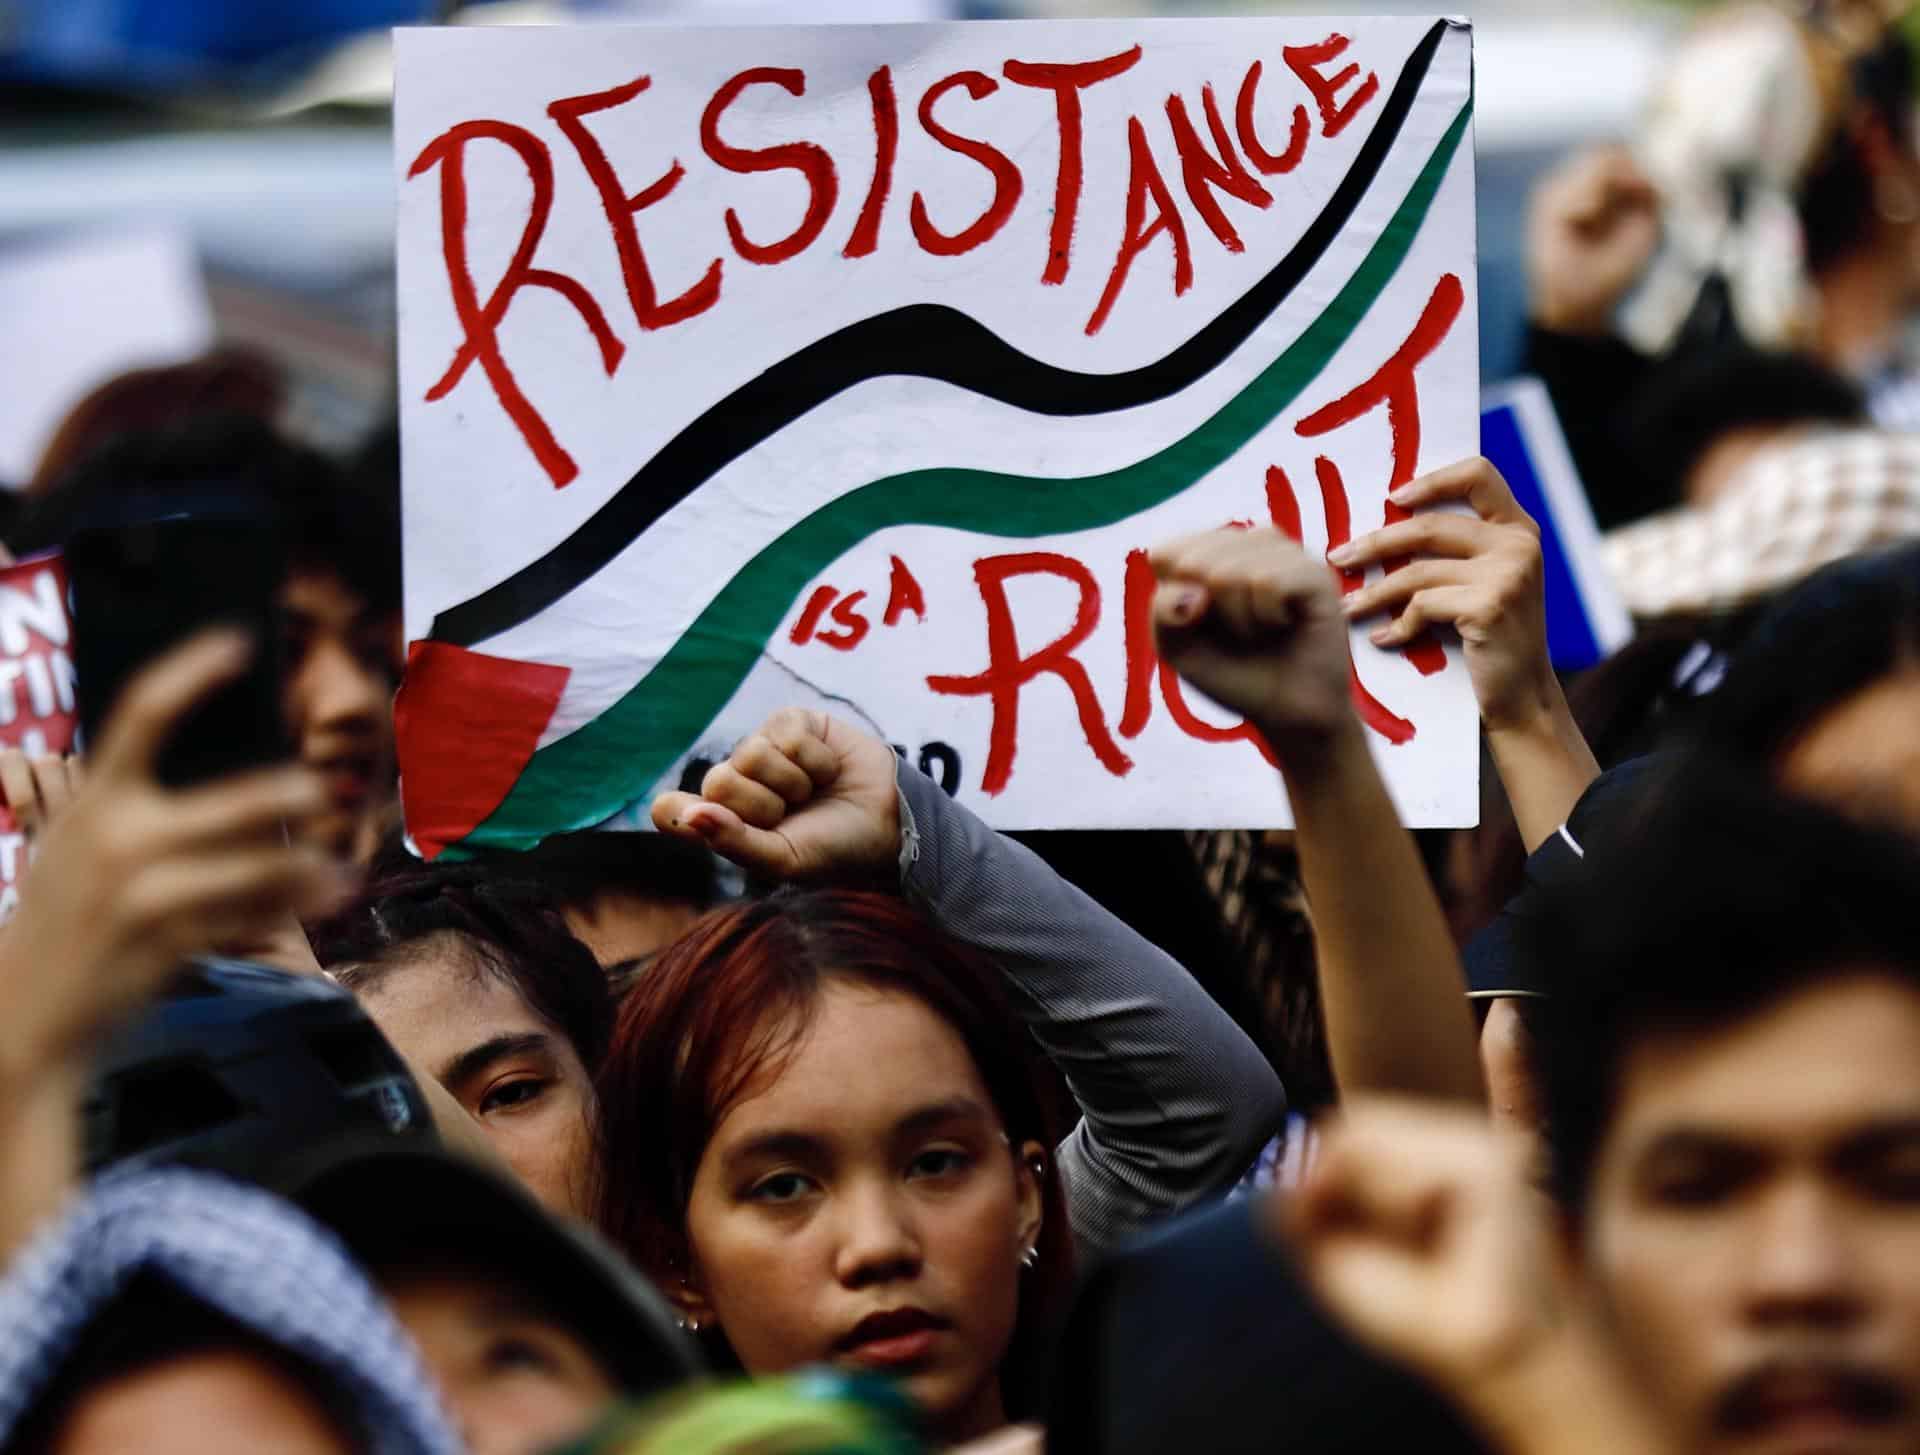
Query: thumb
689,816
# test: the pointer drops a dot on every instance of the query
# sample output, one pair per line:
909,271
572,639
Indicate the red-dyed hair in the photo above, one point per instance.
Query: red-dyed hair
733,997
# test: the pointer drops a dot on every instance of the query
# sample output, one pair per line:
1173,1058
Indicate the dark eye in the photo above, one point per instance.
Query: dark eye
511,1353
1894,1179
1696,1187
511,1095
940,1162
782,1187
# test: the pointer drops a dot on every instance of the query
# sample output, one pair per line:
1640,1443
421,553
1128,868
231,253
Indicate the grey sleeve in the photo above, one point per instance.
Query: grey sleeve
1176,1102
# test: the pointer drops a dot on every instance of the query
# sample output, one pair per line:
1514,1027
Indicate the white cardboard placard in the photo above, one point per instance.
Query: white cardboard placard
848,366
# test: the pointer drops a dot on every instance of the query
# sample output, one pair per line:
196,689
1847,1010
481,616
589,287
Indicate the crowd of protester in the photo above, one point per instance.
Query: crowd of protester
825,1118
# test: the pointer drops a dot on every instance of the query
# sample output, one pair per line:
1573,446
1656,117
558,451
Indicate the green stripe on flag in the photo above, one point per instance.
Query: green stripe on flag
598,770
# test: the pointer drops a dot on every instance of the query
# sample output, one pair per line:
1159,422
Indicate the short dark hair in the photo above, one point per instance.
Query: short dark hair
336,522
578,868
1714,902
1841,630
514,931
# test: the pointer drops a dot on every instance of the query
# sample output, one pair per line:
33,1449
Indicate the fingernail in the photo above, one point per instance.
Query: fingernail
1186,603
1340,555
1380,635
703,825
1350,605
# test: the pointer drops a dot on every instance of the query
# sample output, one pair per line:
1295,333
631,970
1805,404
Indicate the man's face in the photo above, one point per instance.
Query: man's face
1753,1227
516,1074
340,670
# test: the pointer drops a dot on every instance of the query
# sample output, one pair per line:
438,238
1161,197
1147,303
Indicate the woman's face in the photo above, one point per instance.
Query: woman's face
515,1074
862,1208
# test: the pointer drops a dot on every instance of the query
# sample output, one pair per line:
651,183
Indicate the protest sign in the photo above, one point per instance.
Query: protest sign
1519,432
37,706
856,368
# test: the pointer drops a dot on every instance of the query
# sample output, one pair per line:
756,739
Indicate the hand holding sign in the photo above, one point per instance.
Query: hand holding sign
134,877
1482,575
1254,622
1479,573
805,796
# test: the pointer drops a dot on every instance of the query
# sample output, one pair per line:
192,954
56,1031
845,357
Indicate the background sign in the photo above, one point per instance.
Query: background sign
1519,432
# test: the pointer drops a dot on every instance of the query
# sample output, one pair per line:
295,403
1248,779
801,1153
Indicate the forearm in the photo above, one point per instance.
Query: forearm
1177,1100
39,1152
1391,988
1570,1399
1544,764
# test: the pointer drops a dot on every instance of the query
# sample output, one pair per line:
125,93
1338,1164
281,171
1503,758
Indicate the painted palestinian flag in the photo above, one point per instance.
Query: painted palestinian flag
857,367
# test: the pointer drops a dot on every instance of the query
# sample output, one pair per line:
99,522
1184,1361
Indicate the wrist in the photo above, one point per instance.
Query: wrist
1534,710
1315,754
1571,1380
1573,317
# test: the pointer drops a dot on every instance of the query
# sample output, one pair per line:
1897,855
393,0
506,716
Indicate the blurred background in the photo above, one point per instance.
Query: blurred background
219,171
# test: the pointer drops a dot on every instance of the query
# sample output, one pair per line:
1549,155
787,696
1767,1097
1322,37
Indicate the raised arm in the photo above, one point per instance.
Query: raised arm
1420,1232
1256,625
1481,574
130,879
1176,1100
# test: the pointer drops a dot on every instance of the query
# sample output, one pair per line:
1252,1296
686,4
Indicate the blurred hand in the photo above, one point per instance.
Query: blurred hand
1417,1229
1592,227
36,789
1479,574
1255,623
806,796
134,876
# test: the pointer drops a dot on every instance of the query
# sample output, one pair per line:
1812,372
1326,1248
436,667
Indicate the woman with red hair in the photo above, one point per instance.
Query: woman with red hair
822,1135
814,1127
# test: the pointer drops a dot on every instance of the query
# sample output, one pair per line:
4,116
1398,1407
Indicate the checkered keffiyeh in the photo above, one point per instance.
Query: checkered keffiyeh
1795,508
238,1250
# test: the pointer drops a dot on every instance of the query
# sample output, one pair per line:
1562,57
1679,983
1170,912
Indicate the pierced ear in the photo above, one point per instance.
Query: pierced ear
1030,1179
687,1293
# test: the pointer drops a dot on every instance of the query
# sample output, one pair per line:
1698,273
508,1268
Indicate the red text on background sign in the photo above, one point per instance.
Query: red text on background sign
37,704
1230,159
1009,670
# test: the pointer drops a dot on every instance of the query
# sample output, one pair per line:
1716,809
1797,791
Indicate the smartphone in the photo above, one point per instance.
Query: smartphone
141,587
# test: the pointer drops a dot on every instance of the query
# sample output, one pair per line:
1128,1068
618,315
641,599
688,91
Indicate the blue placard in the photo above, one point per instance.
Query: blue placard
1520,434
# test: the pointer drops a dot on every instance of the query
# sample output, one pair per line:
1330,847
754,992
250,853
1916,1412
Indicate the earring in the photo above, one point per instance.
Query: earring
690,1324
1030,1258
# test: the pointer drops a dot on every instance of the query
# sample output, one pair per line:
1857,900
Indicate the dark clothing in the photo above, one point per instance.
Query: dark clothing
1201,1339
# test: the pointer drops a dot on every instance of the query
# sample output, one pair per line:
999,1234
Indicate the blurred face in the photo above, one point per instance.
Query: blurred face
1753,1229
1863,755
515,1381
341,670
628,930
224,1403
515,1074
863,1208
